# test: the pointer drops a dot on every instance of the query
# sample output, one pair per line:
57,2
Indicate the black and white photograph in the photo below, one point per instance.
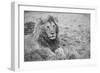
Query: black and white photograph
56,36
47,36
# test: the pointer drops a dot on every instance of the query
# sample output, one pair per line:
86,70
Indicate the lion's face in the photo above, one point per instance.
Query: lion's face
50,29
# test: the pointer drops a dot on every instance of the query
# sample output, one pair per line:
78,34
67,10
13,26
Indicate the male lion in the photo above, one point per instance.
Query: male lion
41,45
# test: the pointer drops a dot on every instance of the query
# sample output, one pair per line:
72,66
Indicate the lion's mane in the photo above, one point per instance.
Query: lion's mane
39,46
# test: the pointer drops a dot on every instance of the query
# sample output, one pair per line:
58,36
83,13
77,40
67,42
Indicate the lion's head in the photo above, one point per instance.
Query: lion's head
50,28
46,33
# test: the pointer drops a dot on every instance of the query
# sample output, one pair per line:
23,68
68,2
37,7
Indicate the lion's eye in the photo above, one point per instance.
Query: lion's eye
47,26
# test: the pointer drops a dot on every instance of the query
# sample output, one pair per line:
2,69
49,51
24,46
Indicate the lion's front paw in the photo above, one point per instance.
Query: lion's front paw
60,53
52,57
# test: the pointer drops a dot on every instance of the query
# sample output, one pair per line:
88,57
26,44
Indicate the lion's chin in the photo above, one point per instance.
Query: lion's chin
52,38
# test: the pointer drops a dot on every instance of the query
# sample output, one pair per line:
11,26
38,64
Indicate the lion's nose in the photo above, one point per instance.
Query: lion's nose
52,33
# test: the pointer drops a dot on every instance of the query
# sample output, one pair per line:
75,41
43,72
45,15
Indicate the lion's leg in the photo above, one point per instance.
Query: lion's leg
52,55
60,53
46,54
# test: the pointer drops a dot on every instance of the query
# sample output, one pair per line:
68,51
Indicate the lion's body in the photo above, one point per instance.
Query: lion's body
44,41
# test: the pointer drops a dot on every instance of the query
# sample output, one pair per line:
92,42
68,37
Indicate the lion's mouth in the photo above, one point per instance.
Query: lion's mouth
52,37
